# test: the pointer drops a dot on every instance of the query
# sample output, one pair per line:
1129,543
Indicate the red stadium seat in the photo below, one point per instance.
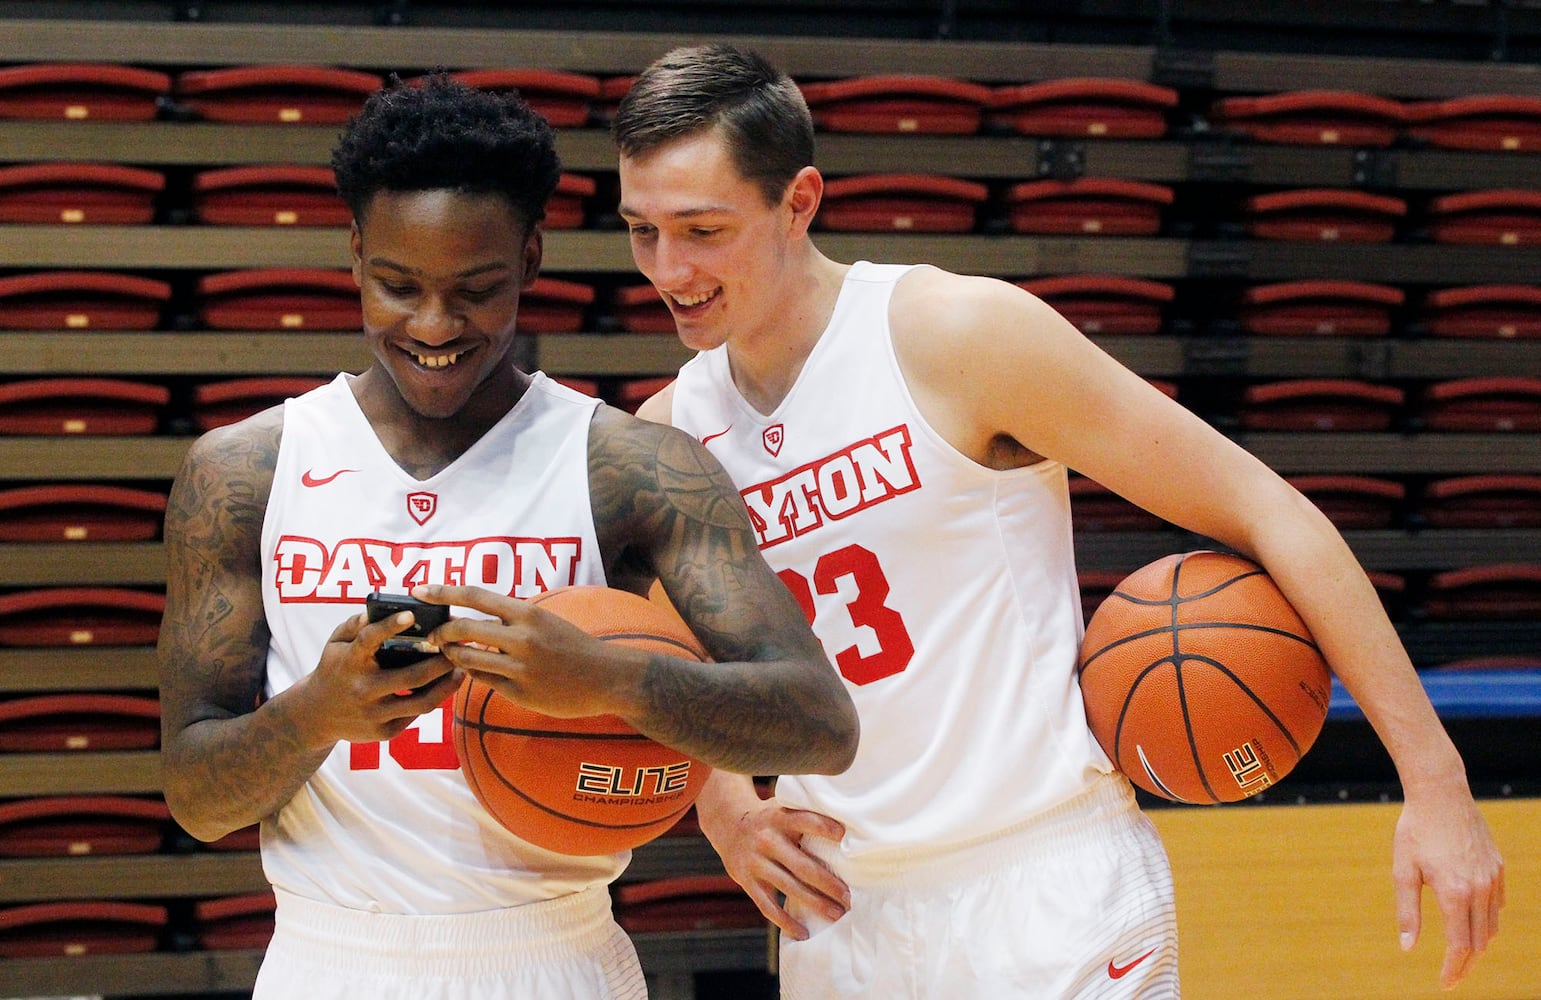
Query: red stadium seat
1504,311
84,512
280,195
1102,108
1487,218
1499,122
1312,117
81,406
80,616
685,903
81,300
552,305
88,927
1354,502
235,922
611,90
1319,308
1320,405
640,309
919,203
279,298
1501,591
92,194
1324,214
291,95
52,723
897,103
564,99
1094,507
216,404
632,393
1088,206
1105,303
1490,403
248,838
1483,501
78,825
566,207
81,92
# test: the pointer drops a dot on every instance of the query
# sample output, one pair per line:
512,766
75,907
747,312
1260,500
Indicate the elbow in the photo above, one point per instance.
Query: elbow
842,735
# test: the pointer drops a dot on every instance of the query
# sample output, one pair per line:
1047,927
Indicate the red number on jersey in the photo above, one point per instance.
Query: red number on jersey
895,648
408,747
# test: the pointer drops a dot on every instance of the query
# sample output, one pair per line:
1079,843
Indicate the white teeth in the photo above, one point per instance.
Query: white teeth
695,300
437,360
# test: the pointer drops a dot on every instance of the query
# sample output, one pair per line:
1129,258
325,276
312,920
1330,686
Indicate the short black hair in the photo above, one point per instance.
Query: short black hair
437,134
759,111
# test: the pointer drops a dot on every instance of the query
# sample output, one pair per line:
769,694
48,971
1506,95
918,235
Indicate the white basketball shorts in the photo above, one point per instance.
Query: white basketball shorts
1077,903
568,948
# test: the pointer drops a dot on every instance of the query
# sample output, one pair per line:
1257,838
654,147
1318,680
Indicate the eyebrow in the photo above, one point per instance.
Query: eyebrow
687,213
469,272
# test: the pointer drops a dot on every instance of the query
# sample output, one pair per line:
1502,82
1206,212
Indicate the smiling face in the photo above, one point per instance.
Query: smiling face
440,274
707,239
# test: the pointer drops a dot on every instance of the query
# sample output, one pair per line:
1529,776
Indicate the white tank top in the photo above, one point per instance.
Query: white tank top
393,827
944,591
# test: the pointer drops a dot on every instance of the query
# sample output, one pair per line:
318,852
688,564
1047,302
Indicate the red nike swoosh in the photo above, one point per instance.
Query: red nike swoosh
713,437
308,480
1120,971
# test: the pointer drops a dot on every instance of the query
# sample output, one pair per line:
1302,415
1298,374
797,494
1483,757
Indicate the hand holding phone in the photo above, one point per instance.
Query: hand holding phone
410,645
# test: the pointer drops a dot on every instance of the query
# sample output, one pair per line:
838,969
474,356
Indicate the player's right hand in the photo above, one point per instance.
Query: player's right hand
363,702
762,849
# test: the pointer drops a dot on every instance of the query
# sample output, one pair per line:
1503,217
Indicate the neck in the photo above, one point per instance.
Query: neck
422,445
766,365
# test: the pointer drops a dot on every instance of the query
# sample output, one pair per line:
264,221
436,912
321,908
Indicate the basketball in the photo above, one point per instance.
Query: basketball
587,785
1200,680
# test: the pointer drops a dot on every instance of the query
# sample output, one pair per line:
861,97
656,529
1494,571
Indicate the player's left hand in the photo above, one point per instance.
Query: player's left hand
533,657
1443,841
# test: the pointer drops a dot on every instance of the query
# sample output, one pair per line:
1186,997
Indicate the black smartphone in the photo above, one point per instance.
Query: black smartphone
408,646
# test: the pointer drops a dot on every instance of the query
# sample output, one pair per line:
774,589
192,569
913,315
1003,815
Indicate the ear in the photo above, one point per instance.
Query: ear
534,249
356,249
803,197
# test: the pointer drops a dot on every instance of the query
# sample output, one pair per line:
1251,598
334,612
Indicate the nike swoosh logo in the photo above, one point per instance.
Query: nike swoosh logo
713,437
308,480
1120,971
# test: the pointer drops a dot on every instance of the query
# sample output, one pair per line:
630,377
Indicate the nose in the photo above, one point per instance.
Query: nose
432,323
672,267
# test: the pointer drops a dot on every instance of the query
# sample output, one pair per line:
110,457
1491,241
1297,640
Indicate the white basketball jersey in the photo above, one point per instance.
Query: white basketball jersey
393,827
944,591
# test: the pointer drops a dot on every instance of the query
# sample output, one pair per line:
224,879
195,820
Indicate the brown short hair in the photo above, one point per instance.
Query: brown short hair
758,109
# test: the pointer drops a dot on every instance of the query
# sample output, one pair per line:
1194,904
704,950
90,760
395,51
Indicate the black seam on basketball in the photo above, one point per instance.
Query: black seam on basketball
551,734
1189,626
1279,725
654,637
1193,745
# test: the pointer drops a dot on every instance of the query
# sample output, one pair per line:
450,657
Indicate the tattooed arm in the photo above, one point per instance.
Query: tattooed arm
770,704
227,762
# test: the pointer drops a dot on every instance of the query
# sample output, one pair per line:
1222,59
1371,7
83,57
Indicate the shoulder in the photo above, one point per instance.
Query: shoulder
238,458
659,407
939,318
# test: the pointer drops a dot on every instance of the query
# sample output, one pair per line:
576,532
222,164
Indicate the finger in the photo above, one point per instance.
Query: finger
489,632
1409,915
478,598
1457,962
414,703
1458,942
348,629
773,911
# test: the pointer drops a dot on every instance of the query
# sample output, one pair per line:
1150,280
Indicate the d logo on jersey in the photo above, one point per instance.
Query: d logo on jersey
422,505
772,437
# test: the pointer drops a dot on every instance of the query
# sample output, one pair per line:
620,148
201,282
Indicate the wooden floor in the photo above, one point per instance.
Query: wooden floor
1296,903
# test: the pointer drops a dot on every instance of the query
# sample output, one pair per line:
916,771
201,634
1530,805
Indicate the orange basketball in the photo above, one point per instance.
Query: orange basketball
1200,680
589,785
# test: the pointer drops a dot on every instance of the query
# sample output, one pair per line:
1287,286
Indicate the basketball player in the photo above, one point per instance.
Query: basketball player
901,437
443,465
